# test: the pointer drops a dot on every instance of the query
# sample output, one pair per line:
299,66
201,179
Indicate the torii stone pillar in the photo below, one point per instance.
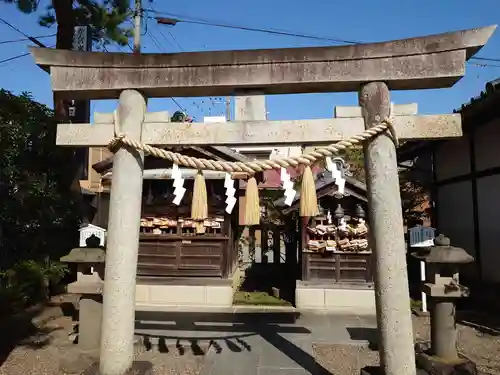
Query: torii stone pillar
397,356
118,316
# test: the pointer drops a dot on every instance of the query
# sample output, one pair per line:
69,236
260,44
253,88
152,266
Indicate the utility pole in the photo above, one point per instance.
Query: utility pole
228,108
137,27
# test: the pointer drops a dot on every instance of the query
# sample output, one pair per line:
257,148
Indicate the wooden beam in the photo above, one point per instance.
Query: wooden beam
288,132
416,63
187,174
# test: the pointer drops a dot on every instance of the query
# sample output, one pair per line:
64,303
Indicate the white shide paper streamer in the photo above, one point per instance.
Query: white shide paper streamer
180,190
336,174
230,191
290,192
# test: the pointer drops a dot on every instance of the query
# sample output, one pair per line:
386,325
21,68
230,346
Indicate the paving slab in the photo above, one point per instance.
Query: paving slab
259,341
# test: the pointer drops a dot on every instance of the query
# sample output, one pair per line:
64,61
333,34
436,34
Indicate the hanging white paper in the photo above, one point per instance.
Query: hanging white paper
230,203
290,192
228,180
340,182
287,185
329,217
343,224
180,190
336,173
284,174
289,196
329,164
230,192
177,199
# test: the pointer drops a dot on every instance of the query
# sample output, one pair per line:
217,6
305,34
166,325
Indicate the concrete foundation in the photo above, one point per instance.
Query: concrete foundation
175,293
339,298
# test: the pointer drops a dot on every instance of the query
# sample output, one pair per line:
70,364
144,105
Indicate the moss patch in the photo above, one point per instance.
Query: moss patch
258,298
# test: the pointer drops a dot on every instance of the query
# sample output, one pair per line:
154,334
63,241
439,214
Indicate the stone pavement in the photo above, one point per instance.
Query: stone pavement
256,341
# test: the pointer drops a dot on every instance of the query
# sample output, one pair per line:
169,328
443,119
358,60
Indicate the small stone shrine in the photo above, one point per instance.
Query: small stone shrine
89,284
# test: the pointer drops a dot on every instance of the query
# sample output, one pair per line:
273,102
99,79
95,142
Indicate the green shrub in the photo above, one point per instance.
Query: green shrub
28,283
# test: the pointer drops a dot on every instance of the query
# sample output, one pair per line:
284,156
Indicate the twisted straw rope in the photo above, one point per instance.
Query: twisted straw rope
256,165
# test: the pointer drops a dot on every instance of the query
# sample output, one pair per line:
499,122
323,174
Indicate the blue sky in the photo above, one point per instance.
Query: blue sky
362,20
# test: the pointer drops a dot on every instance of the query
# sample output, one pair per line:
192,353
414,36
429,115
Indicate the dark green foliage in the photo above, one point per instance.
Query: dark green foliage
110,19
28,282
179,116
38,220
355,158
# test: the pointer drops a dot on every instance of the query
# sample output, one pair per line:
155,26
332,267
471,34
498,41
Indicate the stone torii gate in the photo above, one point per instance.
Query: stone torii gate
370,69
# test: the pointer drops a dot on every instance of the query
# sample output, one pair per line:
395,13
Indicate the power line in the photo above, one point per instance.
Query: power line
178,105
165,38
14,57
175,41
156,42
30,38
26,39
187,19
18,56
491,59
482,65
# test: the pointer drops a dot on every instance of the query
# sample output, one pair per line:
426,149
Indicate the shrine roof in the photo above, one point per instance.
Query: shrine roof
325,185
213,152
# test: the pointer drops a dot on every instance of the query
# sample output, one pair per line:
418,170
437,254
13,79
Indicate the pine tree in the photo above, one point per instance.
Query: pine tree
110,20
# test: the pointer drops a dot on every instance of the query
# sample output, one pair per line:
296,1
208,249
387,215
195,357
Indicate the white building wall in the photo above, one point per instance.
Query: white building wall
455,205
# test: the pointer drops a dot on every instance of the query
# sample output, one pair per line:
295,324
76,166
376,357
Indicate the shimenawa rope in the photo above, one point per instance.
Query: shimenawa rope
256,165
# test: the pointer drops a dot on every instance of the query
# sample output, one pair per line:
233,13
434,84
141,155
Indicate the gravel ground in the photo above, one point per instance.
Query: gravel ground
51,352
483,349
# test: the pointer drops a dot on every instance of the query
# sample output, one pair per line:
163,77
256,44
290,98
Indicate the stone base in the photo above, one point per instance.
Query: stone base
377,370
339,298
420,313
161,293
138,368
437,366
89,326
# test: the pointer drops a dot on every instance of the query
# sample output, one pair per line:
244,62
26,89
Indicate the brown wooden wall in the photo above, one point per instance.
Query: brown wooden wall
341,266
180,251
183,256
337,267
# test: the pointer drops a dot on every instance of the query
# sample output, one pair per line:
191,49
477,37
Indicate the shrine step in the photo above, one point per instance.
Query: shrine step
171,295
337,298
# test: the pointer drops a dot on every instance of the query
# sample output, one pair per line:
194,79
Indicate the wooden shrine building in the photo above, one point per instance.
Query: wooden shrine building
181,263
335,270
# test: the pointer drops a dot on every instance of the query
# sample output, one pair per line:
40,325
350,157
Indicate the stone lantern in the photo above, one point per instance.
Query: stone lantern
443,288
89,284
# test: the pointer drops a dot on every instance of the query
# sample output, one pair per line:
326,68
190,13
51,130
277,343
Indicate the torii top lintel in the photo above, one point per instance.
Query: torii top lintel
416,63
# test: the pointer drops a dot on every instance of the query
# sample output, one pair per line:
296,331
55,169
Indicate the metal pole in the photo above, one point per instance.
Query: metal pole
137,27
228,108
